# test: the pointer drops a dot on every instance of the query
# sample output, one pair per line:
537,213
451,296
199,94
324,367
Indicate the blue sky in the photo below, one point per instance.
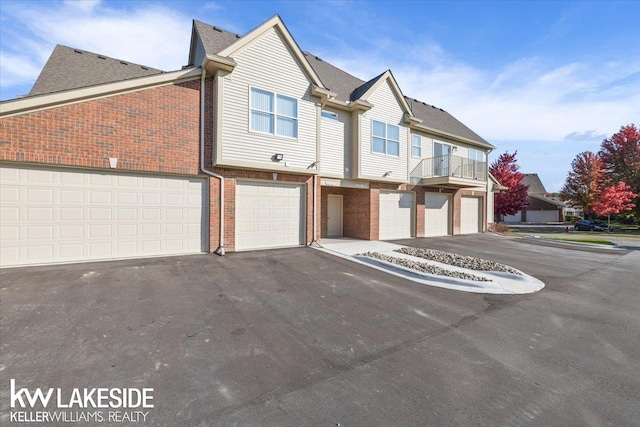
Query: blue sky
549,79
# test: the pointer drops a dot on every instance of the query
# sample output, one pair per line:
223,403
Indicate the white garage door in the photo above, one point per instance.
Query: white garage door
437,217
542,216
470,215
56,215
517,217
269,215
396,215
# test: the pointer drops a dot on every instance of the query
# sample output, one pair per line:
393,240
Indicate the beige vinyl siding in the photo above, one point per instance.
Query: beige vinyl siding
214,116
490,203
335,145
267,64
385,109
462,151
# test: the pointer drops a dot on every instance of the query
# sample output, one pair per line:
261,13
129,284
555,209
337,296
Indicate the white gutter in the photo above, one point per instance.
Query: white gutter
220,250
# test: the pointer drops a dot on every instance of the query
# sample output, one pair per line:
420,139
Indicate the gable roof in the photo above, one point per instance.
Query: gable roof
346,86
534,183
549,201
221,43
69,68
214,39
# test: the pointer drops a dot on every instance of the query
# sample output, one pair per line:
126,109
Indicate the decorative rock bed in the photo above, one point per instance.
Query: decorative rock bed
425,268
468,262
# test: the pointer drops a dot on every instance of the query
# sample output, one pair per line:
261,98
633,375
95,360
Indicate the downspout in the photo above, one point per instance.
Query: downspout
315,216
220,250
486,197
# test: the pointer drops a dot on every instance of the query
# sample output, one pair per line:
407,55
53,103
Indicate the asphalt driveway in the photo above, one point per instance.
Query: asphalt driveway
299,337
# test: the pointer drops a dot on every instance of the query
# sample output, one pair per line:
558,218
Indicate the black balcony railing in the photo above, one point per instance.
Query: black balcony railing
450,165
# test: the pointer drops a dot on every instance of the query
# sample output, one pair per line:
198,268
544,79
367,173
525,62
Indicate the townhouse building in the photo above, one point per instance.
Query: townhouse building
254,144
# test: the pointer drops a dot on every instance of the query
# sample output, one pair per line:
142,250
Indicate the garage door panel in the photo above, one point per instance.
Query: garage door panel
542,216
74,197
268,215
70,214
395,215
65,215
437,216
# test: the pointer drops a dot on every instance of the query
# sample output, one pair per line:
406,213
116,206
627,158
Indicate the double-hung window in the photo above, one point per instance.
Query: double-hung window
273,113
385,138
416,146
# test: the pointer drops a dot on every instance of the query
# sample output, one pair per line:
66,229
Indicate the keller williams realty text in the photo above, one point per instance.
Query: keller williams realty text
44,401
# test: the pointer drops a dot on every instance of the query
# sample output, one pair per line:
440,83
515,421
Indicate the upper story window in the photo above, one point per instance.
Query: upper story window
385,138
475,154
329,115
416,146
273,113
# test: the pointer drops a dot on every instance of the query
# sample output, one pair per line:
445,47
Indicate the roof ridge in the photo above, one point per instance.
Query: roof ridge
105,57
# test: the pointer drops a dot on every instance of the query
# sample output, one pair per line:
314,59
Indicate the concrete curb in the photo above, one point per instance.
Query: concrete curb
499,283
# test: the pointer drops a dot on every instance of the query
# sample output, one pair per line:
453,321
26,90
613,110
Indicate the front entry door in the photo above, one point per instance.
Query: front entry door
334,215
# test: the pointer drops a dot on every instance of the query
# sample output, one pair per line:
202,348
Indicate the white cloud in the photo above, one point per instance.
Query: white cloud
527,99
16,69
587,135
150,35
212,5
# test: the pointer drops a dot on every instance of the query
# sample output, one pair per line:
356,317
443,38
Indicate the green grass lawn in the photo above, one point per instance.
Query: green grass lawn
588,240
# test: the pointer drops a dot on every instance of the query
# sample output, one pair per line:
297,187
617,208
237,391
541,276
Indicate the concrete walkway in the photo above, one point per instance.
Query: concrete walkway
499,282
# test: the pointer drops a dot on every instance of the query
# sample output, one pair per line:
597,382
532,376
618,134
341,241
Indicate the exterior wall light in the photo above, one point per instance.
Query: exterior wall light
278,157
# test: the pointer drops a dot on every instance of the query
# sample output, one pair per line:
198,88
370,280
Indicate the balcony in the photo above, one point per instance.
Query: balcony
451,171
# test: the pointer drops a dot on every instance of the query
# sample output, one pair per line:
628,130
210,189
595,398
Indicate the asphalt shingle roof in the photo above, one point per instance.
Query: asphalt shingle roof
346,86
534,183
439,119
213,38
69,68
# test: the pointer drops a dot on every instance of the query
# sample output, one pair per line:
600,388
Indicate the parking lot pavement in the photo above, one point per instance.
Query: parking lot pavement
299,337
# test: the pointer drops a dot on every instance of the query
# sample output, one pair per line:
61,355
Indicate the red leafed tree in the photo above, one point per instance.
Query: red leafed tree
584,182
613,200
506,170
620,157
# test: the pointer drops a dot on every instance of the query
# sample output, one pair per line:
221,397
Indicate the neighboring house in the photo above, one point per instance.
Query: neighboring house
254,144
541,207
494,187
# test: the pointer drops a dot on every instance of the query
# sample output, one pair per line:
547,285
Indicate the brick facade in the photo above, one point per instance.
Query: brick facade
361,208
152,130
157,130
231,178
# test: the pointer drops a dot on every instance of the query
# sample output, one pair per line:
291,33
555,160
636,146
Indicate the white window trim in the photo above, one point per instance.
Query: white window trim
329,115
413,146
386,139
442,143
274,114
